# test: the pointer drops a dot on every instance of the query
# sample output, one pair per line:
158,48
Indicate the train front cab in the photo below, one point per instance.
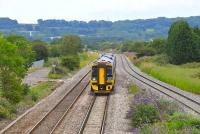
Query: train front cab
103,78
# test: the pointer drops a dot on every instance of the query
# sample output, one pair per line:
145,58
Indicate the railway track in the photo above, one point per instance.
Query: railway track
52,118
187,101
94,121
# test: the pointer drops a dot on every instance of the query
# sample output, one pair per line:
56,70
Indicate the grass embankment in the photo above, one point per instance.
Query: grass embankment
185,77
34,94
150,114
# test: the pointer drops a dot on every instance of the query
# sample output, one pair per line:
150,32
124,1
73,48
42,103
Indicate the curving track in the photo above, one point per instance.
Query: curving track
187,101
95,119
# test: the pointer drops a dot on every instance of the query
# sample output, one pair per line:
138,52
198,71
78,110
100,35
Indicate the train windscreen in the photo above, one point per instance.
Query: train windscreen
94,73
109,73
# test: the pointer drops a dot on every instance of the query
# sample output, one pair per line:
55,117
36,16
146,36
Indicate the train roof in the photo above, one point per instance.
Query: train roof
106,58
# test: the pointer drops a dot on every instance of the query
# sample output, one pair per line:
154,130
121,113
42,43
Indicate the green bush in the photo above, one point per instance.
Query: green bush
55,76
162,59
11,88
34,96
180,121
177,123
6,108
133,89
167,108
26,89
144,114
71,62
146,51
59,70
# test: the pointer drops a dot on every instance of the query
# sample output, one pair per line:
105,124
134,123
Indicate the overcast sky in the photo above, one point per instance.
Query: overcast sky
28,11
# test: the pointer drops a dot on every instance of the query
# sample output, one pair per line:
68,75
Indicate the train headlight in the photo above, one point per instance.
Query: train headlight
94,78
109,78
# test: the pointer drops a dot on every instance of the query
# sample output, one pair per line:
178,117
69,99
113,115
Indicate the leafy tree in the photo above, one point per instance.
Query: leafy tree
71,61
196,30
12,70
23,48
146,51
41,50
11,86
55,51
1,35
71,44
181,47
159,45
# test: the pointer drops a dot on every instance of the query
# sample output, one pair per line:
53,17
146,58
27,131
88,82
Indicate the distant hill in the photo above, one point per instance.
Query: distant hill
93,31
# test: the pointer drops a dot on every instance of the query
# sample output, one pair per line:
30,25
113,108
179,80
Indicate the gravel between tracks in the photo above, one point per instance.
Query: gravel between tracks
40,109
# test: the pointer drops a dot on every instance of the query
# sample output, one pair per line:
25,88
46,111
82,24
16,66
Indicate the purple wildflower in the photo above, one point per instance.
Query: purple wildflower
147,101
135,131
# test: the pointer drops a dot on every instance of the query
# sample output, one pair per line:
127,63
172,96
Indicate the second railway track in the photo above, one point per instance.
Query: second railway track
189,102
51,120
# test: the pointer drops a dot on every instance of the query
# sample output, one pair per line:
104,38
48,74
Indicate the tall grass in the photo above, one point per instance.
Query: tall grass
40,90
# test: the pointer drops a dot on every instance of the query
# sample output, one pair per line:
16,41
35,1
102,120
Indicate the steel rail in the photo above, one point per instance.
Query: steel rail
103,123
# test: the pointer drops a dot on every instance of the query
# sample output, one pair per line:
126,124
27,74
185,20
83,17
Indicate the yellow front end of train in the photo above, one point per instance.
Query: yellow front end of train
103,77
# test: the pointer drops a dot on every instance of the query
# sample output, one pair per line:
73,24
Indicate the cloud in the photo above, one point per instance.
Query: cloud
31,10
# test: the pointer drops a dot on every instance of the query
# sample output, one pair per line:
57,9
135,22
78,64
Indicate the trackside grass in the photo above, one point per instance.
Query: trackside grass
185,77
38,92
133,89
41,90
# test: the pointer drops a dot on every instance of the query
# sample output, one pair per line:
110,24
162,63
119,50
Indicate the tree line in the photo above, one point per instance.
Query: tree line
181,46
94,31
